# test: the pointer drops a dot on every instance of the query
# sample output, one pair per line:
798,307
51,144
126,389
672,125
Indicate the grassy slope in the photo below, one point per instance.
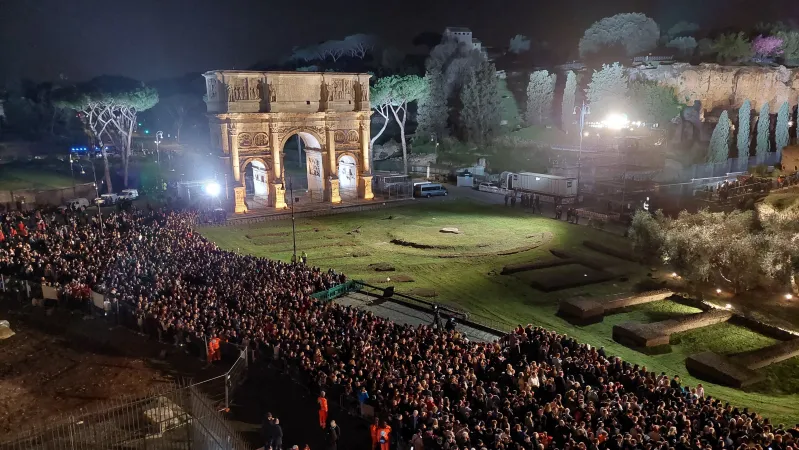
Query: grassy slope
20,178
474,284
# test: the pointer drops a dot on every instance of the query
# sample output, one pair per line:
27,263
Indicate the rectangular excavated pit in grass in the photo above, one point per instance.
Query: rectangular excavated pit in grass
563,277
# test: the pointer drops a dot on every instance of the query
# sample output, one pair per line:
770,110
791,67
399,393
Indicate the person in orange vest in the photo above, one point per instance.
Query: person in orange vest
213,350
373,432
322,409
384,435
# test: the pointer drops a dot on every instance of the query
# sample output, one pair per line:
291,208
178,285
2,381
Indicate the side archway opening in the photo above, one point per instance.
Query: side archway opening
348,177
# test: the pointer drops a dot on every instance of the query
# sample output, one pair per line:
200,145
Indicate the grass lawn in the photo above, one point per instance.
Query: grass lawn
15,178
408,238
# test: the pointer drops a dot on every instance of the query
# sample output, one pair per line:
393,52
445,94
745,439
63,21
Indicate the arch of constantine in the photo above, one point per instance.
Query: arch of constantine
253,114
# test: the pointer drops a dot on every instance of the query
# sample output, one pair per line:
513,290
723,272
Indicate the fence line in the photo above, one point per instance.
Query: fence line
177,417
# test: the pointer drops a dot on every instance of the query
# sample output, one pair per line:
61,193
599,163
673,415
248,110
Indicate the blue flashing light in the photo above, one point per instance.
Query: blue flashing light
146,131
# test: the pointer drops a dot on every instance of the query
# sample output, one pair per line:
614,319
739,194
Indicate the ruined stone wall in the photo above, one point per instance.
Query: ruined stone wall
726,87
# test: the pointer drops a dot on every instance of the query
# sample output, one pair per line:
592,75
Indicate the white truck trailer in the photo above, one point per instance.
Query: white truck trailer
551,188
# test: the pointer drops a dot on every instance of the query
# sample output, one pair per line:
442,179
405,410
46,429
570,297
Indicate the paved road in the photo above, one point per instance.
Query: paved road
403,314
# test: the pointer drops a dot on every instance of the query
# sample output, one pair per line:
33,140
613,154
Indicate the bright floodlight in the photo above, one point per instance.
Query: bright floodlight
718,291
213,189
788,296
727,306
616,121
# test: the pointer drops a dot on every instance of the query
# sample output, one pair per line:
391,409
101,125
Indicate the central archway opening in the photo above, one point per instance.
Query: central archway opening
256,184
303,168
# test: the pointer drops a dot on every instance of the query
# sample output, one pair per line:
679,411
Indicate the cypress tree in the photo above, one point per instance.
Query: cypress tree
720,140
744,128
540,93
567,106
763,135
781,137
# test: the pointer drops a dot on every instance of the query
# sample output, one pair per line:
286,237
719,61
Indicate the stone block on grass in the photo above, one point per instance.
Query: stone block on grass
581,308
594,309
656,334
638,299
720,369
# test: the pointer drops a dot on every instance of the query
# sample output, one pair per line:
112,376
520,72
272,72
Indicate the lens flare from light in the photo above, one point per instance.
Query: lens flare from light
616,121
212,189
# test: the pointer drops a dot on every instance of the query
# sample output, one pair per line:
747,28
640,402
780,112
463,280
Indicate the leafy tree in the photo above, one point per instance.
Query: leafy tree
790,47
681,29
379,98
636,32
732,48
333,49
519,44
720,140
433,111
705,47
781,137
540,93
654,103
767,46
685,45
397,92
567,104
306,54
608,91
456,62
480,115
763,132
647,233
744,128
715,247
360,45
109,106
740,248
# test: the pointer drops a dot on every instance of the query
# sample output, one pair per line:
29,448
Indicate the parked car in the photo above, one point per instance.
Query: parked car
487,187
428,190
129,194
107,200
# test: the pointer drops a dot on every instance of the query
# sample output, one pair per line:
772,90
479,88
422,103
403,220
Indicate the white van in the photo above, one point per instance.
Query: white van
129,194
428,190
78,204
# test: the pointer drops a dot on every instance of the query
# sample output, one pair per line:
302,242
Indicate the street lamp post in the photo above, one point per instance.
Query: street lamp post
293,229
72,172
158,136
583,111
96,194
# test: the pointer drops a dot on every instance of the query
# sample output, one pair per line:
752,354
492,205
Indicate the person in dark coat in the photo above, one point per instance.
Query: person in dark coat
277,435
332,434
266,429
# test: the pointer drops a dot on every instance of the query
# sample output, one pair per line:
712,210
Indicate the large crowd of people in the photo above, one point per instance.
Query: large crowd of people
431,388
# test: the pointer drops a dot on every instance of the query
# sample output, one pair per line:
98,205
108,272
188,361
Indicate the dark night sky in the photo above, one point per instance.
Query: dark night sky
148,39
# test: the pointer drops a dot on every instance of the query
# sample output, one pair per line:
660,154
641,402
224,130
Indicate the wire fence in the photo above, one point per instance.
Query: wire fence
181,416
175,418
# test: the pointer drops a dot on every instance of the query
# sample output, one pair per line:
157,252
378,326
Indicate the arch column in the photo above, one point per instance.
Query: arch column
332,172
239,191
365,177
277,188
